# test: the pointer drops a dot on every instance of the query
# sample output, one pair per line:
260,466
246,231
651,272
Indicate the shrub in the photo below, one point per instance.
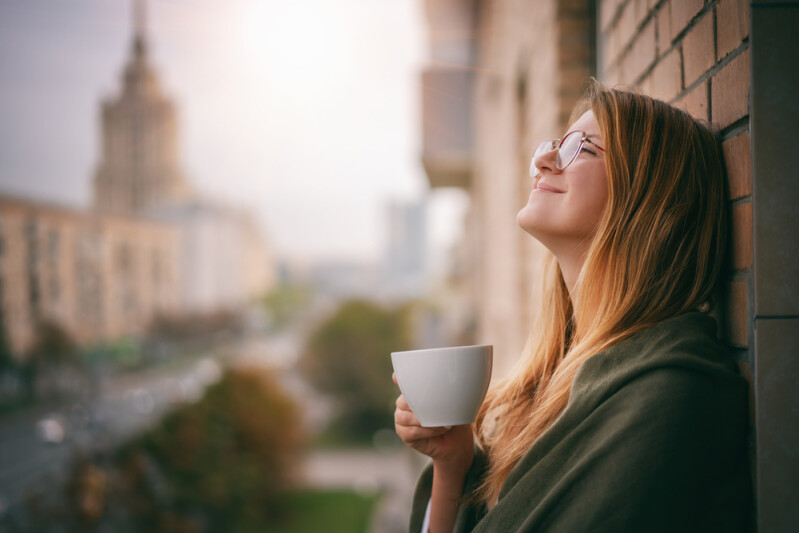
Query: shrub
228,459
348,357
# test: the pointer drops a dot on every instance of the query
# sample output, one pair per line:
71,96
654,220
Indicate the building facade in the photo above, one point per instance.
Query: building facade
149,246
524,64
225,261
139,165
99,276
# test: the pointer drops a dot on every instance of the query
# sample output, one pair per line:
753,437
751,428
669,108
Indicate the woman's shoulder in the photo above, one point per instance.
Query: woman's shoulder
679,354
658,423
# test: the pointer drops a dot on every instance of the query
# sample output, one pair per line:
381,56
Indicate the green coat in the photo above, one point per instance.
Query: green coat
654,438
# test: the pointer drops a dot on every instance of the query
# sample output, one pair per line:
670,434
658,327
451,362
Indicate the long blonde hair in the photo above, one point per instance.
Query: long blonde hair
656,253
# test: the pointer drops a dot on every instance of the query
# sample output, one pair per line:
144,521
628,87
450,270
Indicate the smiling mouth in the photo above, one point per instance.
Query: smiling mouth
541,186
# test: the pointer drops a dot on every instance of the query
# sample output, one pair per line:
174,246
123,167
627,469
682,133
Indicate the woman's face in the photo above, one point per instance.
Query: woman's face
565,206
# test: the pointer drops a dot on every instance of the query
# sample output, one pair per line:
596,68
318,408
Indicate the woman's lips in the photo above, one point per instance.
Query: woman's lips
542,186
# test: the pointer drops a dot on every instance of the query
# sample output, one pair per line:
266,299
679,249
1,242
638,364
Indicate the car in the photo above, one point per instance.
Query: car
52,429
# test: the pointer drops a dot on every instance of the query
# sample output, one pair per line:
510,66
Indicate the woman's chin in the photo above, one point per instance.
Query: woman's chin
538,228
527,219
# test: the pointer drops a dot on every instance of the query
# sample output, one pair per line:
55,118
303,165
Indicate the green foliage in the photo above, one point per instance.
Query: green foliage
348,357
328,511
228,458
285,302
53,345
6,357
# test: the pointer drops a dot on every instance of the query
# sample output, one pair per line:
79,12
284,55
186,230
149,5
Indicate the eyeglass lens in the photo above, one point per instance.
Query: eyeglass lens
568,147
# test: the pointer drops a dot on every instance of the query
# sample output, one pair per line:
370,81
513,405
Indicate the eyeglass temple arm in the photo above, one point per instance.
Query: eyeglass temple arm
594,144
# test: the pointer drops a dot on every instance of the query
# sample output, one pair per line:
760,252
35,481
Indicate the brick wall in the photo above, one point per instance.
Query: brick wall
695,54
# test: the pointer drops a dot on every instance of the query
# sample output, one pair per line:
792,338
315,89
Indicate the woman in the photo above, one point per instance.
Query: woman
624,413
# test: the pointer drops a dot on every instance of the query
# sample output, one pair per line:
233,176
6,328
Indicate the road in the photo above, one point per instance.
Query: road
129,404
123,407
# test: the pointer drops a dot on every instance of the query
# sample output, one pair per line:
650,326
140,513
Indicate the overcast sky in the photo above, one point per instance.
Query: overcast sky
306,111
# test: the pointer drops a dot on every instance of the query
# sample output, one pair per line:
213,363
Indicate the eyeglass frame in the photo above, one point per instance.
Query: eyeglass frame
556,144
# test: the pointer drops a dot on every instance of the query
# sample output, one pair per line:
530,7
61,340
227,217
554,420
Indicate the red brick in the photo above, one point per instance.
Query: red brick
607,13
612,50
667,77
729,92
738,161
741,245
737,321
682,11
664,31
646,85
697,49
695,102
572,6
732,21
626,26
642,54
641,9
573,42
613,76
572,81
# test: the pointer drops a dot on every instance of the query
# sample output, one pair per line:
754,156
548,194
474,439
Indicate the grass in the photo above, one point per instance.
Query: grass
332,438
331,511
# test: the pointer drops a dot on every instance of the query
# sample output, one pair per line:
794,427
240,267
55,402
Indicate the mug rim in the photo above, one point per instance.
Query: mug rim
443,348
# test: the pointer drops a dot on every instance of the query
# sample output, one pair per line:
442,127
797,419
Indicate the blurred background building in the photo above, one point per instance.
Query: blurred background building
99,276
139,167
150,246
406,264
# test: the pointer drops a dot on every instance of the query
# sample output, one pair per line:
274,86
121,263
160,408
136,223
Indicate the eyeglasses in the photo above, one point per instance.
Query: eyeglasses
568,149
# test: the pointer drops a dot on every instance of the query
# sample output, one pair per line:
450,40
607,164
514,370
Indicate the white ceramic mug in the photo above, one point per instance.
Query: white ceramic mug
444,386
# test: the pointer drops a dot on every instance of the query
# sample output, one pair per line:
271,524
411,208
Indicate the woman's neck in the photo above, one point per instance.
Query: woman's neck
570,266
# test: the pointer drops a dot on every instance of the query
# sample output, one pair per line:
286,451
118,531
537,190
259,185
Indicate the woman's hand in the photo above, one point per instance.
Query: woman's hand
452,451
451,448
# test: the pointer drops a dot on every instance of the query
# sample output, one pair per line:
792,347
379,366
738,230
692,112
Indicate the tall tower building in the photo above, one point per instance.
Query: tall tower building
138,165
406,253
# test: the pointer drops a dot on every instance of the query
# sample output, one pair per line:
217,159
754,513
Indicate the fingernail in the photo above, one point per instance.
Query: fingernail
447,427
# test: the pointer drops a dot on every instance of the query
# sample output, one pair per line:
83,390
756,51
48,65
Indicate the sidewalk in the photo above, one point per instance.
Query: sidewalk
392,472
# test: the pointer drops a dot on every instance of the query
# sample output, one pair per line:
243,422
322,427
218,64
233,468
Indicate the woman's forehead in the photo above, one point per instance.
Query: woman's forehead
587,123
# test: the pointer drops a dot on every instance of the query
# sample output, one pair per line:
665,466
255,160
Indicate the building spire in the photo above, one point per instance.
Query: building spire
139,27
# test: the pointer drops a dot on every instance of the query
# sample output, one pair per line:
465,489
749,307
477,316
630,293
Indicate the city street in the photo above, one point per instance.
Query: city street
36,444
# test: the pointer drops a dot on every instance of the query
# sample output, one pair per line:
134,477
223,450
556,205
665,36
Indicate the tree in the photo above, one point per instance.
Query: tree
53,362
285,303
225,463
348,357
6,357
53,345
229,459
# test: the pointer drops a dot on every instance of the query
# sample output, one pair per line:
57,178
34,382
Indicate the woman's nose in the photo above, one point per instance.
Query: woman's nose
545,160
